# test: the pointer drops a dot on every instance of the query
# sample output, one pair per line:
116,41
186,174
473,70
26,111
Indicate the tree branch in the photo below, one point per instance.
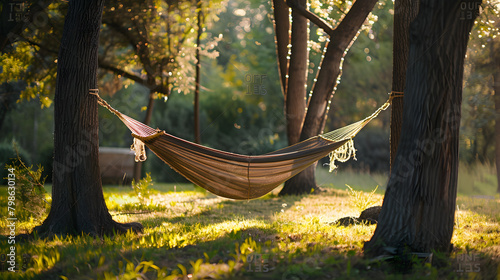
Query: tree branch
123,73
42,47
310,16
102,64
352,22
323,88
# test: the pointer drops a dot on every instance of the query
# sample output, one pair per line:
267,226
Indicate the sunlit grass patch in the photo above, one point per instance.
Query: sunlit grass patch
477,223
190,234
359,180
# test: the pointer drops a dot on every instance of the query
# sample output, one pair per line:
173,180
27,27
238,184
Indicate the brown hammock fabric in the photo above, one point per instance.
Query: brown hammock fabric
238,176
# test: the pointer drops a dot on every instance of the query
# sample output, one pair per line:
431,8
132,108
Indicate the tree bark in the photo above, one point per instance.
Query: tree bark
197,136
323,89
282,27
419,205
404,12
496,90
78,204
295,103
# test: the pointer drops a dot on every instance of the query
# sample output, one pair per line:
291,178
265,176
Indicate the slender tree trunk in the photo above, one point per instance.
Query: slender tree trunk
496,89
295,103
419,205
282,28
197,136
404,12
317,106
295,98
77,201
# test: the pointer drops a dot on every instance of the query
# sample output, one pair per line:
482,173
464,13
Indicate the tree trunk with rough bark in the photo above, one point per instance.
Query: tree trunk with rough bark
295,103
404,12
78,204
281,27
419,204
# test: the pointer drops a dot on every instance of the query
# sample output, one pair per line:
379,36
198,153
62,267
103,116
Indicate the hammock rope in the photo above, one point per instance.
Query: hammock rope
241,176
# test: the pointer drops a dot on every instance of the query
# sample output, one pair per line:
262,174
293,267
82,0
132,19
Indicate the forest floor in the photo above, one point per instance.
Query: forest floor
191,234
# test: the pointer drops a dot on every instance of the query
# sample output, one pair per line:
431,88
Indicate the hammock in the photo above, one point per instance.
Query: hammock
240,176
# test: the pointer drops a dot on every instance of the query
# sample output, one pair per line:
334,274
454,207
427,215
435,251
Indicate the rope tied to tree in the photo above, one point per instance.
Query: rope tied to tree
396,94
137,146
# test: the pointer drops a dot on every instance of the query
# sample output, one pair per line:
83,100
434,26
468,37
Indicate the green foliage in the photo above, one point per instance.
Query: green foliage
361,200
155,38
31,128
142,189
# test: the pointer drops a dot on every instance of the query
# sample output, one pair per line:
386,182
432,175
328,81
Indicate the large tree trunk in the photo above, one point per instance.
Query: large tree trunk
77,200
324,88
295,103
404,12
419,205
496,89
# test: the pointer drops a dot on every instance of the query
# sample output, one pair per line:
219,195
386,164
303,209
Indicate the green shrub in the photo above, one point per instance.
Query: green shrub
29,190
142,189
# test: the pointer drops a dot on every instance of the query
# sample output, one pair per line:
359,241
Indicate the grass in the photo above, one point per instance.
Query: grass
473,180
477,180
191,234
359,181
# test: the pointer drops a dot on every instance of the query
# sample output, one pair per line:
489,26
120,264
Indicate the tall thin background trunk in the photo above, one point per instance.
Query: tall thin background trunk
197,136
496,90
